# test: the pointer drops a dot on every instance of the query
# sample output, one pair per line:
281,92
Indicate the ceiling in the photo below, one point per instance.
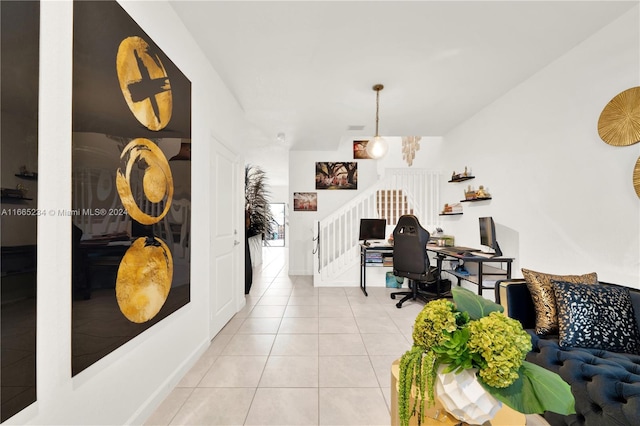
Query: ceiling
306,68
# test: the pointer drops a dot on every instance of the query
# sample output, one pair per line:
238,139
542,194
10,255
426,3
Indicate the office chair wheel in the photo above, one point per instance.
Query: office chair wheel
393,296
399,305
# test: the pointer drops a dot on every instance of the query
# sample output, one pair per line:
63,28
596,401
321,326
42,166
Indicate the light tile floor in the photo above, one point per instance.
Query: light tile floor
296,355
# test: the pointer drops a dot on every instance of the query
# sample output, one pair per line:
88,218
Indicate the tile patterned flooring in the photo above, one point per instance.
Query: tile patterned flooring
296,355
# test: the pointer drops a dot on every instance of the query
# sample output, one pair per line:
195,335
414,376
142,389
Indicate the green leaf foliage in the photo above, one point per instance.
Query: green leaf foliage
454,351
536,390
476,306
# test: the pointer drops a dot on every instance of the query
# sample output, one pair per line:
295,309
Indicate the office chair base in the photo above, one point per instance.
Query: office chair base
419,294
422,296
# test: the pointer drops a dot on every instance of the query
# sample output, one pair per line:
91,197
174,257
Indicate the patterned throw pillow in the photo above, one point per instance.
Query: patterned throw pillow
596,316
544,300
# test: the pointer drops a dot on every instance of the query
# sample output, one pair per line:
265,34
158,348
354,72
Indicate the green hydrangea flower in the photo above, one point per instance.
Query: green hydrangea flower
436,321
502,345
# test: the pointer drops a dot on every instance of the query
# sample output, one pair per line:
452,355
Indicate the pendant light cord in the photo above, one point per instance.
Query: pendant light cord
377,88
377,109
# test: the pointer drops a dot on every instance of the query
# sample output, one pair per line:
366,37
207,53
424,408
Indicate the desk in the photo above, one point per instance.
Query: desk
366,254
442,255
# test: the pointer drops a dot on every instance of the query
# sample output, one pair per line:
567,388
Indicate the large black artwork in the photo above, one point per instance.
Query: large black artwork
131,176
19,37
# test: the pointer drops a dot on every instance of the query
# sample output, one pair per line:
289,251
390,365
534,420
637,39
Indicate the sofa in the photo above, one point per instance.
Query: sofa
605,384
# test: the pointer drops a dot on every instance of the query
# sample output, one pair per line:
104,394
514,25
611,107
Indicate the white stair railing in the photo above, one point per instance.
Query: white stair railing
400,192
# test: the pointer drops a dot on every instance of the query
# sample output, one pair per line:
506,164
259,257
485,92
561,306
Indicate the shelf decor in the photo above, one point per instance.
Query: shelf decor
480,194
472,334
461,177
451,209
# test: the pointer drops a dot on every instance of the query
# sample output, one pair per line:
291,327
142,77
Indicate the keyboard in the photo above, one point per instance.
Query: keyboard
458,250
482,254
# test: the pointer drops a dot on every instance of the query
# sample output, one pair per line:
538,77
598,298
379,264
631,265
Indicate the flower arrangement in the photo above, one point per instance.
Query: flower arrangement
473,333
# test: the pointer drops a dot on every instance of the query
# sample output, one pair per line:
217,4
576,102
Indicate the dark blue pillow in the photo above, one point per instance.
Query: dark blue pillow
596,316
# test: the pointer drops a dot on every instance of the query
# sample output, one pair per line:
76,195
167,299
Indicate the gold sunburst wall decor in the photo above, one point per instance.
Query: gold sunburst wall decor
619,122
636,178
619,125
144,279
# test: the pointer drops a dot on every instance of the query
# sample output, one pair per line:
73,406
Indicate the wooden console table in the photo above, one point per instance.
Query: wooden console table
436,415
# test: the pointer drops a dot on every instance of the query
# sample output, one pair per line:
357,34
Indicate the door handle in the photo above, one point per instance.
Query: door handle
235,243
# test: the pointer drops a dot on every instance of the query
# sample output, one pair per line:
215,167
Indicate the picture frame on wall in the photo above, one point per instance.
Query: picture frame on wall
131,183
360,150
19,115
305,201
337,175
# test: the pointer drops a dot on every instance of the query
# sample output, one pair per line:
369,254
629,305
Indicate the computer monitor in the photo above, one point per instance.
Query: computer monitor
488,234
372,229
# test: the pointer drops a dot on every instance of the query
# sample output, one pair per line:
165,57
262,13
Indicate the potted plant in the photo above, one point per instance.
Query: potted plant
257,210
473,335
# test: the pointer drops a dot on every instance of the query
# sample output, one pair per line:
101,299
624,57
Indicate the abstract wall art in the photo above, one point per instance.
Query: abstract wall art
131,177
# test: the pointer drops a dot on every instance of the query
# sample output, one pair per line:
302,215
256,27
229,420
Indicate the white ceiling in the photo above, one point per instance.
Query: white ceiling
306,69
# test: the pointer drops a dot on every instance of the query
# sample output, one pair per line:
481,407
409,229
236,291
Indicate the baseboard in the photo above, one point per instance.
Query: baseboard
156,398
299,272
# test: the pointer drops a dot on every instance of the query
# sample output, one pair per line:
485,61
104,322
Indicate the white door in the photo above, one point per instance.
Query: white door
227,283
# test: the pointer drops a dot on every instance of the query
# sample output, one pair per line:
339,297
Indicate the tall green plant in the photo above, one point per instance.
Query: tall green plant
256,194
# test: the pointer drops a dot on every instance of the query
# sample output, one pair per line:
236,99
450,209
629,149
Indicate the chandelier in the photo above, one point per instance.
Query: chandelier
410,144
377,148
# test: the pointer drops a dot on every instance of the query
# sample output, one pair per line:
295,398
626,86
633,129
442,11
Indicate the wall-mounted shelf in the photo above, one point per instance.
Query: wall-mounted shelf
14,199
28,176
12,195
461,179
471,200
451,214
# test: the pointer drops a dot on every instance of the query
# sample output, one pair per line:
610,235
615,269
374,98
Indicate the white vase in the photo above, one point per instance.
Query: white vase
464,397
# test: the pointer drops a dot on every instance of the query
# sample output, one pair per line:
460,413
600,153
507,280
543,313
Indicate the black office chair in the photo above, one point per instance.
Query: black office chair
410,260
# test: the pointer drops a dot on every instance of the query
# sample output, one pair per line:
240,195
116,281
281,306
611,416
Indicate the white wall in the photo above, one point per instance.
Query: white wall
302,178
302,166
125,386
563,200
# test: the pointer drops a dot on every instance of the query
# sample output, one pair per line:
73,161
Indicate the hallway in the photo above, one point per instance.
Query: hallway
296,355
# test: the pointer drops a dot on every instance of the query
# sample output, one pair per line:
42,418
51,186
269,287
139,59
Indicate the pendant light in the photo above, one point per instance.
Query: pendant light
377,147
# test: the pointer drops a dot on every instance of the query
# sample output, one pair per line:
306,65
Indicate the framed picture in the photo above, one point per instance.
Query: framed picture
305,201
20,52
360,150
337,175
131,163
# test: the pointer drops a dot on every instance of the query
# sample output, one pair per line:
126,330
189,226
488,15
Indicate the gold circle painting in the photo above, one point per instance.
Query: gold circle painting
636,178
144,83
157,182
144,279
619,122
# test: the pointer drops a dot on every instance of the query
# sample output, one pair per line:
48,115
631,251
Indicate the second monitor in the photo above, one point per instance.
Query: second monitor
488,235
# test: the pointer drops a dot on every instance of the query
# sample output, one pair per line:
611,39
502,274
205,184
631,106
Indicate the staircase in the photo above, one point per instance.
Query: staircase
400,192
391,204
